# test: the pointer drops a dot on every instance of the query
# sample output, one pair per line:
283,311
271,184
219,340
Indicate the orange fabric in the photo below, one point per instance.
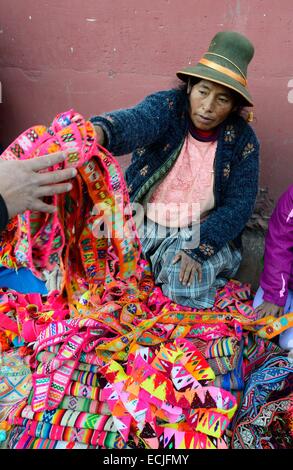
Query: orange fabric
224,70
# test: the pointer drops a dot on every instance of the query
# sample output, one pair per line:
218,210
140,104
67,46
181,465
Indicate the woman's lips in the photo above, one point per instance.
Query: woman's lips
204,119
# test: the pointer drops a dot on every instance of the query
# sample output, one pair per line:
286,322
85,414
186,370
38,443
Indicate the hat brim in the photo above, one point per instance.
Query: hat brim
201,71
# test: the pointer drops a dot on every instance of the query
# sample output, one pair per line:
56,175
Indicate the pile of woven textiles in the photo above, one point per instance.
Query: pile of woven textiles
108,361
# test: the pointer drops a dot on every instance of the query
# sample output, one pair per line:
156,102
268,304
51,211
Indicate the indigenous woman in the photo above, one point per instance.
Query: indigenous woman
194,169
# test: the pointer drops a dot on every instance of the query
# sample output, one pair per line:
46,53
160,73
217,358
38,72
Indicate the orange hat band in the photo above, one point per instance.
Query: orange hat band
223,70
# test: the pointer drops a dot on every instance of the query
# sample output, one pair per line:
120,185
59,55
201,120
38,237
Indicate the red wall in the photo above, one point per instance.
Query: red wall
98,55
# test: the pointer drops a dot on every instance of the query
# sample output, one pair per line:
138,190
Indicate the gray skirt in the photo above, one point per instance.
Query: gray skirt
160,251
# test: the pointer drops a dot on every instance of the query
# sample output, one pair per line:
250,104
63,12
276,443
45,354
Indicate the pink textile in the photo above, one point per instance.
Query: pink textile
190,181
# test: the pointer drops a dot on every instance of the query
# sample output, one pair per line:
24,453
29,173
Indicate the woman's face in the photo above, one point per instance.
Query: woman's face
210,104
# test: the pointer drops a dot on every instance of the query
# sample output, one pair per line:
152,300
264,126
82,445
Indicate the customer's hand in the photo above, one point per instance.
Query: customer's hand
188,268
23,187
267,308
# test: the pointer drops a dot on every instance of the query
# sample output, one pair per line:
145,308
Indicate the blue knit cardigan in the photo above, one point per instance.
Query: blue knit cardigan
155,130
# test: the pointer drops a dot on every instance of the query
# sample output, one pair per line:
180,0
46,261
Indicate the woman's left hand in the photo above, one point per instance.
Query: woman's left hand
188,268
267,308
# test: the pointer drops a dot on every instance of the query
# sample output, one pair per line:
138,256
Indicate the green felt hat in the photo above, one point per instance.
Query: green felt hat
225,63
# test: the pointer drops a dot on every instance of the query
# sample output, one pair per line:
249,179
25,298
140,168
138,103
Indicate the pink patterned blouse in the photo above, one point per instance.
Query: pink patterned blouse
186,194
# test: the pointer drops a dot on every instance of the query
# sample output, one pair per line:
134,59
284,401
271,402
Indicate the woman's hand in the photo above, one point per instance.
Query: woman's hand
188,268
23,187
267,308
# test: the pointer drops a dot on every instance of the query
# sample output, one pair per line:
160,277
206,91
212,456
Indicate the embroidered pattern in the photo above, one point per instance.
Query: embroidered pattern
249,148
144,170
230,133
207,250
226,171
140,151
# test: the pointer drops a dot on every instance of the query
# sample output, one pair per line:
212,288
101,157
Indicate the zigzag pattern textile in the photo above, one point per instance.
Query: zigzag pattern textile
171,386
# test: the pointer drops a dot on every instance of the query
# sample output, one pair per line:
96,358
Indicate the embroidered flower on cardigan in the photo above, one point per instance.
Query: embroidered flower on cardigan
166,147
170,103
230,133
140,151
130,188
226,171
207,250
249,148
144,170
